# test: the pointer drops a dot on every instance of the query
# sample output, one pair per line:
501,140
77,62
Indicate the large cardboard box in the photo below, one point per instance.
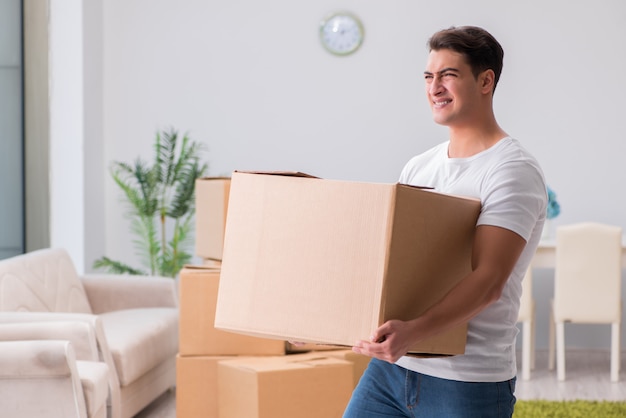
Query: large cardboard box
211,210
299,385
328,261
197,386
198,289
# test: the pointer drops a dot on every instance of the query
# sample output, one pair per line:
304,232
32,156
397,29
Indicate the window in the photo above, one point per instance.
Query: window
11,130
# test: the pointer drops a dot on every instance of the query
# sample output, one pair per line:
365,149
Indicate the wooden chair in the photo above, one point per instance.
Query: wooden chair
587,286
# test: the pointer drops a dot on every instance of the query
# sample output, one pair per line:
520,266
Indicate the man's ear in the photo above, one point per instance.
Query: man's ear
487,79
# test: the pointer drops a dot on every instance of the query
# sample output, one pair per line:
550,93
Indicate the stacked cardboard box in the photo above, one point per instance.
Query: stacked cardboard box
257,373
202,347
359,362
299,385
198,336
220,372
307,259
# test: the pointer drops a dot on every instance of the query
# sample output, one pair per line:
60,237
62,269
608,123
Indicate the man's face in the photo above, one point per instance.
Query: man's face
451,89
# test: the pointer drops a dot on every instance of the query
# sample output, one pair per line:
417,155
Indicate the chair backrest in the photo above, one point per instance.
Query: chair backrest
41,281
526,301
588,273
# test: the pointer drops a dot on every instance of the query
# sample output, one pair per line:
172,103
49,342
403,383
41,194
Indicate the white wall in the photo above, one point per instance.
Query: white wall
67,210
94,160
251,80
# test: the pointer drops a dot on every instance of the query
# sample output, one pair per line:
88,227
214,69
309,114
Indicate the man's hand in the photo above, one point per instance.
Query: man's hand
495,253
389,342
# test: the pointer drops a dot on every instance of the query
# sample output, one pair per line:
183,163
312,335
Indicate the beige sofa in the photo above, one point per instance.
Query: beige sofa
133,320
43,378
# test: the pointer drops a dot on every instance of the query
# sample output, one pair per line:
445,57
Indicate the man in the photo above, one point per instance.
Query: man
480,160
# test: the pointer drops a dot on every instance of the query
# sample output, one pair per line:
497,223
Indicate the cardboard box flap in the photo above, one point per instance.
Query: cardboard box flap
278,173
433,190
416,187
198,268
214,178
211,209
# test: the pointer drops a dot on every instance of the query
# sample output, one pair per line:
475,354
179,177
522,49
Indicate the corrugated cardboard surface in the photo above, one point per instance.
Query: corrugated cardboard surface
328,261
302,386
197,386
211,210
359,362
197,334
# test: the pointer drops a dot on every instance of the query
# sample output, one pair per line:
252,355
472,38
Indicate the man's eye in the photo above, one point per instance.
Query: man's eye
428,77
448,74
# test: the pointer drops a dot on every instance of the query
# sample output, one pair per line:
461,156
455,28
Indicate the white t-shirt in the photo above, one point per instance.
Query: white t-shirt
510,184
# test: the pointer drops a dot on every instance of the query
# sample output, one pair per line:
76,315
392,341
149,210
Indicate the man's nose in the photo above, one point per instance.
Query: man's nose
435,87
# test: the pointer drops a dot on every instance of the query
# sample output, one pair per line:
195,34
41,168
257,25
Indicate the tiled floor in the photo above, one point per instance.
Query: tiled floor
587,377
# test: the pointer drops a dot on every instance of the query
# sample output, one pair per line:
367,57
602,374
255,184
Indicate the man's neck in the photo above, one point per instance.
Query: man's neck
465,142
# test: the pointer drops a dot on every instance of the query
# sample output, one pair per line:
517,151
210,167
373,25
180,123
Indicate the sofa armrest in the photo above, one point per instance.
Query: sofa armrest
103,347
32,372
113,292
36,359
80,334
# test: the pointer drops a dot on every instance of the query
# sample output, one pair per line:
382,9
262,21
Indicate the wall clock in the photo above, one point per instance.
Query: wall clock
341,33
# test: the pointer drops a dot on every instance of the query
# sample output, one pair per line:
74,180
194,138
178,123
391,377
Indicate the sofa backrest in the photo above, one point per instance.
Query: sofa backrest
41,281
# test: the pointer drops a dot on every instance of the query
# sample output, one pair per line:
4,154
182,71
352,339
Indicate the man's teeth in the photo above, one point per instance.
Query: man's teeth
443,102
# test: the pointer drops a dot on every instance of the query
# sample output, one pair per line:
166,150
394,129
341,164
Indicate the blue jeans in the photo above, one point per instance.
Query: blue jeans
386,390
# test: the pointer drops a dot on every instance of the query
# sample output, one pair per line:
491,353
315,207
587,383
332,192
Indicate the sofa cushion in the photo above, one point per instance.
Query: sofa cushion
41,281
140,339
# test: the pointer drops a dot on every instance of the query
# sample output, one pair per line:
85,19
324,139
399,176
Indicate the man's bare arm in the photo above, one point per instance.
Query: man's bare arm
495,253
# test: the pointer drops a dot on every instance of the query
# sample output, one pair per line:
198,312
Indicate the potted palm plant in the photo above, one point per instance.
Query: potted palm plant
160,205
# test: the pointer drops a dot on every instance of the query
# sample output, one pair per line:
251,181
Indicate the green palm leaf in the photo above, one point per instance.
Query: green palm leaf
115,267
160,199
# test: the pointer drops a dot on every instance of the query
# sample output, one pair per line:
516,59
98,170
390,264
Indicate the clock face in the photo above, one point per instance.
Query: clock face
341,33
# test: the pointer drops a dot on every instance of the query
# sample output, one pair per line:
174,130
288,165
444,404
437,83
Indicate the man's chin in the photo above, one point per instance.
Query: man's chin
440,121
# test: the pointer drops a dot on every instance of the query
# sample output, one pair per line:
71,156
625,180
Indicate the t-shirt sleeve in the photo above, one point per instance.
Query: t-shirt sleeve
514,198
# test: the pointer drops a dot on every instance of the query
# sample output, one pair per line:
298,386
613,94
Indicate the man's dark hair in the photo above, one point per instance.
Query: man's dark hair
479,47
